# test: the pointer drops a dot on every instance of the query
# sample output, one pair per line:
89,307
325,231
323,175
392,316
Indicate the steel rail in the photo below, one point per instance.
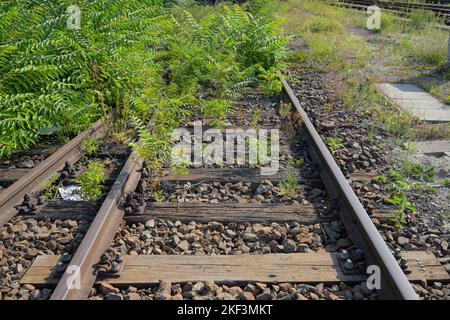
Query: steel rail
80,275
394,284
31,182
442,9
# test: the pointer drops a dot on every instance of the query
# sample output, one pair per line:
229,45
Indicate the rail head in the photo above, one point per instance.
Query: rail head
395,285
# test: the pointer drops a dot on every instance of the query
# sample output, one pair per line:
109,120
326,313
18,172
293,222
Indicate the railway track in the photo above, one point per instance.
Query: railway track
26,181
247,240
28,228
401,8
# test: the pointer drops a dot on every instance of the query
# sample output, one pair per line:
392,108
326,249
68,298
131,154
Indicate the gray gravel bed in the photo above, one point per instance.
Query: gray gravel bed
240,291
175,237
239,192
22,240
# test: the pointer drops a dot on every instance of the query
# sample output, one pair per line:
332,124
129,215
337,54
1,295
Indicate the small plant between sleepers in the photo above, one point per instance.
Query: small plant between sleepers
91,181
289,186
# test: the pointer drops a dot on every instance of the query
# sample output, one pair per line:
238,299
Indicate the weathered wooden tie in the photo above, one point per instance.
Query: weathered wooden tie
228,212
9,176
252,175
60,209
295,267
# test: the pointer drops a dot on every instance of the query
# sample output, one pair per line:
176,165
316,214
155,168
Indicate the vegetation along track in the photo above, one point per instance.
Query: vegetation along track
233,219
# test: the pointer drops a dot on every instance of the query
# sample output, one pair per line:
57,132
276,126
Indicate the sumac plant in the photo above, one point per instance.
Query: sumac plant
129,59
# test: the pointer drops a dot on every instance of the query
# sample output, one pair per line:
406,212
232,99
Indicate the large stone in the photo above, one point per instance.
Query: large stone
29,287
343,243
132,296
246,295
199,286
250,237
402,240
150,224
28,164
190,237
31,253
177,296
262,189
299,296
230,233
265,295
211,287
234,290
184,245
106,288
290,246
114,296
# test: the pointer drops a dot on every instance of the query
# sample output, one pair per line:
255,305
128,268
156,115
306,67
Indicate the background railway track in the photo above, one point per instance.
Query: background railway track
401,8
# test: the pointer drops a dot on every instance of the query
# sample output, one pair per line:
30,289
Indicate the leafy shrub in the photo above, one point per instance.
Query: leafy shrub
130,58
206,64
59,80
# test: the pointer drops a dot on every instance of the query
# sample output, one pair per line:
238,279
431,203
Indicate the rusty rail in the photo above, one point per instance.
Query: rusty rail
80,274
32,182
394,284
403,10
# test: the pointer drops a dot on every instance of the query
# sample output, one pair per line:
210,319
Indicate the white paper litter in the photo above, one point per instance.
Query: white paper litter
71,193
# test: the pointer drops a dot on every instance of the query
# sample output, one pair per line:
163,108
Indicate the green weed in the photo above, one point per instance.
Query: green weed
49,187
323,25
334,144
409,146
446,182
299,162
418,171
381,179
399,189
421,19
255,117
289,187
91,146
91,181
158,195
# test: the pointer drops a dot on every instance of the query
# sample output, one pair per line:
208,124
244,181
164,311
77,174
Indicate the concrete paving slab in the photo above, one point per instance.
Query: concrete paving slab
402,91
425,110
416,101
433,146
